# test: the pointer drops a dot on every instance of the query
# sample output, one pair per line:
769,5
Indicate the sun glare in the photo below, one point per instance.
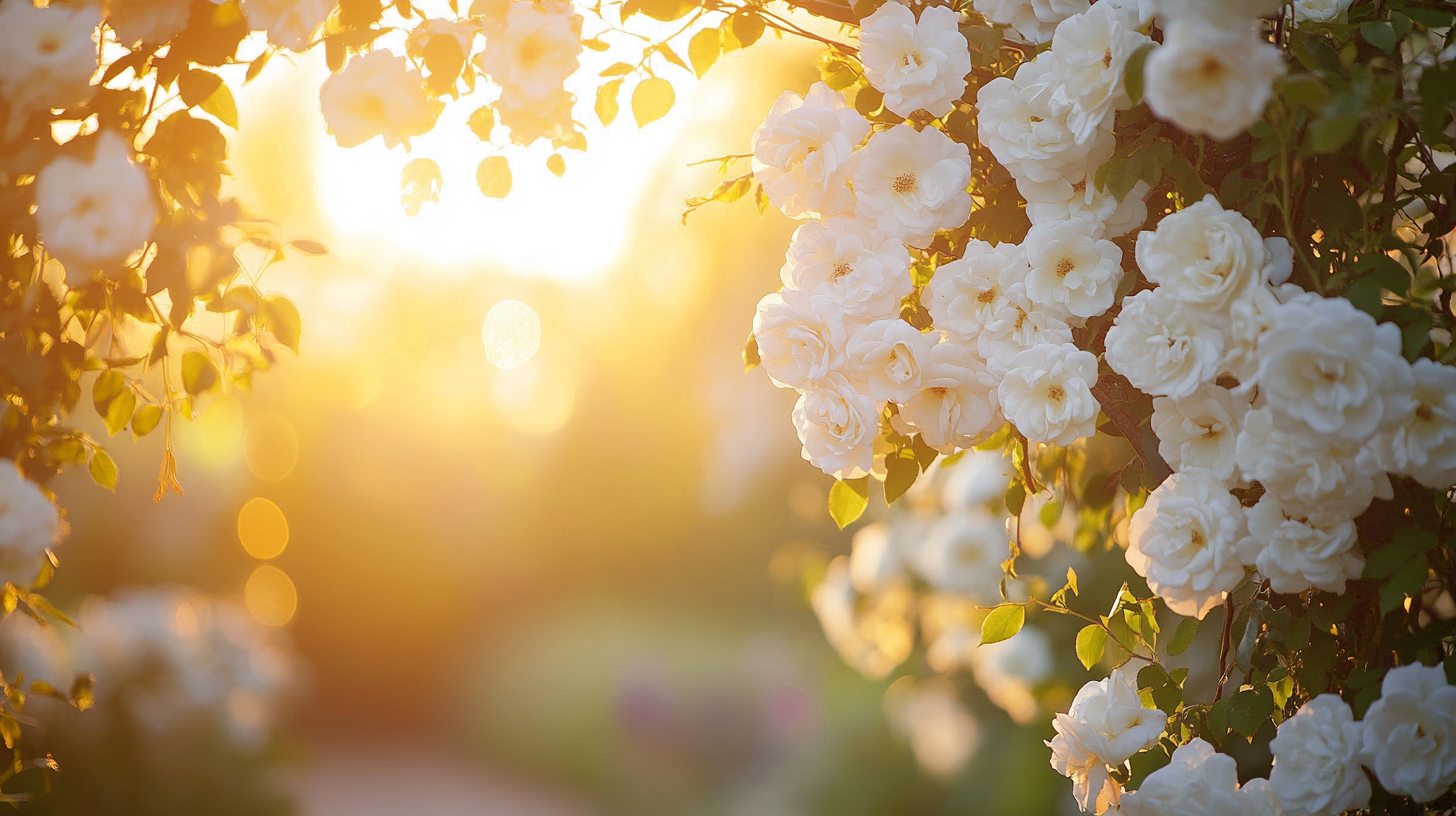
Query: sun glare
512,334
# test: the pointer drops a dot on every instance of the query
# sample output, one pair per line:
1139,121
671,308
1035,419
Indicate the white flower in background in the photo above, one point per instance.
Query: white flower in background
29,525
1311,475
1184,542
1320,11
534,51
800,338
1161,347
377,94
929,713
49,58
1199,782
837,426
1210,80
801,152
1200,430
916,65
874,558
1327,368
1247,320
1028,134
97,212
1016,325
1203,255
152,22
290,23
863,272
979,477
1062,199
955,406
873,633
532,119
1410,733
1141,12
1317,760
965,294
1008,671
1089,54
911,183
887,357
1033,21
1106,725
1225,15
1423,440
1047,393
962,554
1297,553
1073,269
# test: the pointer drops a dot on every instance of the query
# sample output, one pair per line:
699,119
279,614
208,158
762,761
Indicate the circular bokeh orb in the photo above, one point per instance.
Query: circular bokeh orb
512,334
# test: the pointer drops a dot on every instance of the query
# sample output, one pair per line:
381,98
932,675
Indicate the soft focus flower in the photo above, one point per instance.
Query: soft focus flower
29,525
1089,55
979,477
911,183
1016,324
1422,443
1029,134
1225,15
1203,255
800,337
863,272
873,634
1210,80
1200,430
1106,725
941,731
1199,782
1297,553
532,119
97,212
965,294
49,58
1320,11
1162,348
955,406
837,426
1184,541
888,357
801,152
1047,393
1073,269
290,23
1410,733
1063,199
377,94
874,560
151,22
1033,21
1317,760
916,65
1009,670
962,554
534,50
1311,475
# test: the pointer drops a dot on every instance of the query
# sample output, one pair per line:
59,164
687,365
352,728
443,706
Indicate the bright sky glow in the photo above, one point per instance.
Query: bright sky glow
512,334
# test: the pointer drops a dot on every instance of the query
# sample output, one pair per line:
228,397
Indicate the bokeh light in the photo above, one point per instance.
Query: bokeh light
512,334
271,596
262,529
272,447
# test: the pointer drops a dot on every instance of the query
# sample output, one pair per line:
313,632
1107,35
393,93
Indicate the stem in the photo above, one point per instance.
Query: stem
1223,649
828,9
1106,390
1110,636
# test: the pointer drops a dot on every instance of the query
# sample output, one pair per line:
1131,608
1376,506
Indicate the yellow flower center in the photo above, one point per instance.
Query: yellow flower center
904,183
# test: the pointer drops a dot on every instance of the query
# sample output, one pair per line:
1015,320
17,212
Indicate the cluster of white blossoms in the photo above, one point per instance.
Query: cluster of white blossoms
1105,726
30,524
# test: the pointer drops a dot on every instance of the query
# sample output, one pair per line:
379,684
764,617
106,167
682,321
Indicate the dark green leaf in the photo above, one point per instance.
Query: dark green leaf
1183,636
1379,34
1132,78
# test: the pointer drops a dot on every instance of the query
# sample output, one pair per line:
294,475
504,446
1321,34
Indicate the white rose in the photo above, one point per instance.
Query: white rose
1028,134
29,525
377,94
1297,553
1106,725
1034,21
1184,542
1310,474
1422,442
887,357
1248,318
1320,11
916,65
49,59
94,213
1201,430
873,641
1047,393
1225,15
800,338
965,295
1410,733
151,22
1015,325
1141,12
530,119
1209,80
874,560
1089,54
1009,670
1199,782
1073,269
1203,255
801,152
955,406
1317,760
1062,200
978,478
962,554
911,184
837,426
1161,347
290,23
1327,367
533,51
864,273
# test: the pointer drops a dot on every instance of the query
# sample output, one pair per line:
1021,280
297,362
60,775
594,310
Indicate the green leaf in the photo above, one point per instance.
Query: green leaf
103,470
651,100
482,122
83,691
222,105
1407,580
607,106
900,473
119,411
703,50
108,386
751,360
281,318
195,86
664,10
848,500
747,28
1091,642
924,454
1364,294
1379,34
1072,580
1003,623
1015,498
494,176
198,372
308,247
1132,78
617,69
145,420
1183,636
556,164
1249,708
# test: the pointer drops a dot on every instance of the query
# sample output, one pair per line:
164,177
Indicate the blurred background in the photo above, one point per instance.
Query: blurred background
439,566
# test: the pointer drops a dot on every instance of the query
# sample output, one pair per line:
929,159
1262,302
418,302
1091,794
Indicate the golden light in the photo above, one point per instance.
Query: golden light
214,440
270,596
272,447
512,334
535,399
262,529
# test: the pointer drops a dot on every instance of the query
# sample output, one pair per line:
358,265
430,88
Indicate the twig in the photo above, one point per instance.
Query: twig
1106,390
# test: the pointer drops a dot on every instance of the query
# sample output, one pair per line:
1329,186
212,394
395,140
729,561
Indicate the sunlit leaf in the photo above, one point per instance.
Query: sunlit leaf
1003,623
281,318
145,420
419,182
747,28
1183,636
607,101
103,470
900,474
848,500
556,164
703,50
308,247
651,100
482,122
198,372
1091,642
494,177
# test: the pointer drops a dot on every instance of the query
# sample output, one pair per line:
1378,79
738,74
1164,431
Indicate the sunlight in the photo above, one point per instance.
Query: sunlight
512,333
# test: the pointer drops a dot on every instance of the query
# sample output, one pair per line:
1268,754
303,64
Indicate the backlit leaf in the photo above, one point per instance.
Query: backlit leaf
494,177
607,101
103,470
1003,623
848,500
703,50
1091,642
651,100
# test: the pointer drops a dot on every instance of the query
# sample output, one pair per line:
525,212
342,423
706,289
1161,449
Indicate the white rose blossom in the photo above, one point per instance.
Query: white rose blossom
1184,541
1106,725
874,653
1311,475
1410,733
1033,21
1320,11
533,50
1161,347
1015,324
837,425
290,23
377,94
1140,11
1009,670
1201,430
965,294
1422,441
887,358
1062,199
1028,133
29,525
1047,393
874,558
863,272
97,212
956,404
801,152
1303,552
1199,782
1210,80
1089,54
50,55
1203,255
801,338
1224,15
1073,269
962,554
911,184
530,119
916,65
1317,760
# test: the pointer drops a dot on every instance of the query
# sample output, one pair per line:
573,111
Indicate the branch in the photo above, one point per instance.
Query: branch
828,9
1223,648
1107,390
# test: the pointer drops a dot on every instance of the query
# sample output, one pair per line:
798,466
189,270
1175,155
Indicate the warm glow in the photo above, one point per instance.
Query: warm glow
262,529
272,447
512,334
271,596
